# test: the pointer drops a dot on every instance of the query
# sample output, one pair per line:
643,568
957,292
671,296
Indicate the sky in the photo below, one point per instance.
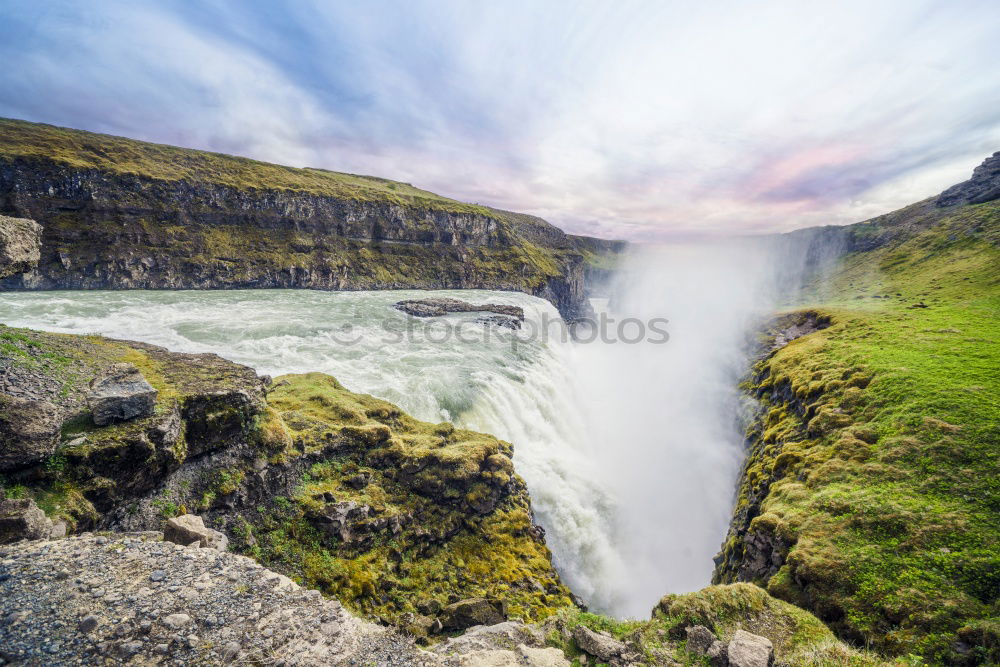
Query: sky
640,120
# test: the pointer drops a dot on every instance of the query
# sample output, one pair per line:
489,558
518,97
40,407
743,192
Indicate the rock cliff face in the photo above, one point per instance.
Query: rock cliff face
20,245
122,214
984,185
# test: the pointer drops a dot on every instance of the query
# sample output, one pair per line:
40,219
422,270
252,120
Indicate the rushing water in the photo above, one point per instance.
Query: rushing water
630,451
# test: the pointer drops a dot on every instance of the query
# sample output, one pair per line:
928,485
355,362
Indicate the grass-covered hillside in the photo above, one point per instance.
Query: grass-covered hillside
875,467
119,155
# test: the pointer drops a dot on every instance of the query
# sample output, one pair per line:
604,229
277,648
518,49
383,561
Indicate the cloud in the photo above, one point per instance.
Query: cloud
645,120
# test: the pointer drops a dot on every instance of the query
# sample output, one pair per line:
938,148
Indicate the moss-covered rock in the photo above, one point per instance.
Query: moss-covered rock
798,637
389,510
342,491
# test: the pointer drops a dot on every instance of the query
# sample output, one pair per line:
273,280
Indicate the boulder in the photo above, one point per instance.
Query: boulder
359,481
601,645
717,654
699,639
417,625
489,637
750,650
474,611
29,431
190,529
522,655
346,520
20,245
430,607
59,530
21,519
119,394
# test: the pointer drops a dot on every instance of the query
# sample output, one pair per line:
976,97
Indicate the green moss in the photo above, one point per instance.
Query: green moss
445,514
799,638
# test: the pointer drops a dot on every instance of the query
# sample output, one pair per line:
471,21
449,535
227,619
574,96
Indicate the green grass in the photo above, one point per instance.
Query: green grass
887,482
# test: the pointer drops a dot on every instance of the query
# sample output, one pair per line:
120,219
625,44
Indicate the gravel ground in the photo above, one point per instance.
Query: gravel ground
131,598
134,599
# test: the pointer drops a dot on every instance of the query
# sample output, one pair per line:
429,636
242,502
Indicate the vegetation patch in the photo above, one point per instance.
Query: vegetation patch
871,489
799,638
398,515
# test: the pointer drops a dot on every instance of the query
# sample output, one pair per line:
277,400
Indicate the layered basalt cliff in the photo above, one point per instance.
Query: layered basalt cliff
122,214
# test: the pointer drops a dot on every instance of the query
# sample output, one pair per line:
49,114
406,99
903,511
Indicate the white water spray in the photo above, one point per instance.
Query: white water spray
630,451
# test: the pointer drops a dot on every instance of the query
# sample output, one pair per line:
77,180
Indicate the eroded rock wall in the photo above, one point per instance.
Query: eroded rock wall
20,245
124,231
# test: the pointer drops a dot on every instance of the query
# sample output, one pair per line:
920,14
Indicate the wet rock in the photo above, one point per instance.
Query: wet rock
501,321
442,306
190,529
20,245
601,645
750,650
119,394
474,611
29,431
21,519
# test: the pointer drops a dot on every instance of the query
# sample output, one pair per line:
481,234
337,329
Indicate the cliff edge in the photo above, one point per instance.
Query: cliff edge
123,214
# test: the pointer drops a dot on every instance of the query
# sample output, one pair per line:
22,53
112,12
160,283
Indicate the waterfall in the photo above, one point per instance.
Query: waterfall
630,449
